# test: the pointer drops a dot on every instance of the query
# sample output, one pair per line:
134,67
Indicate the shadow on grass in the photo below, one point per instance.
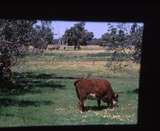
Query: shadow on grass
6,102
32,75
31,82
7,114
95,108
134,91
129,91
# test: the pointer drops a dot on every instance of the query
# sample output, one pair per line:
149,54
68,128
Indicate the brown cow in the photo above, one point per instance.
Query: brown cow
98,89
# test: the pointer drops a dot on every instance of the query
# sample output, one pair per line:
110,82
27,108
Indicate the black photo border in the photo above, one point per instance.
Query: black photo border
148,13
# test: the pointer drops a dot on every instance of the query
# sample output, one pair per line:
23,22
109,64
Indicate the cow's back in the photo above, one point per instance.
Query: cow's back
98,86
102,86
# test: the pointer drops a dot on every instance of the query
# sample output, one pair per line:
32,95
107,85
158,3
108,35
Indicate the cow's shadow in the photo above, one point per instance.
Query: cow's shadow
95,108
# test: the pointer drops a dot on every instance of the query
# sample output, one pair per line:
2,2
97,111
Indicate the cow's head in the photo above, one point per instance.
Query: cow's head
115,99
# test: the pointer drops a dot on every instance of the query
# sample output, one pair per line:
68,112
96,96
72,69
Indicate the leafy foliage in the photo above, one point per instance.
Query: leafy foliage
42,36
118,39
135,39
77,35
15,38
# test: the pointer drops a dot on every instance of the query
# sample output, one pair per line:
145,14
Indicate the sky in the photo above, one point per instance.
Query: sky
98,28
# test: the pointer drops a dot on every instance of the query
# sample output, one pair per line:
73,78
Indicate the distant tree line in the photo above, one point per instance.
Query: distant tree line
118,39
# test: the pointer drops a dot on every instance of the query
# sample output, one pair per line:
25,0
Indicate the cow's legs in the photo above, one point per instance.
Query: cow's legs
99,103
81,105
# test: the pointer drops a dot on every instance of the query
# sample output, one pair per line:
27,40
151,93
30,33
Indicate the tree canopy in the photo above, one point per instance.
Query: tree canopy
15,38
77,35
119,39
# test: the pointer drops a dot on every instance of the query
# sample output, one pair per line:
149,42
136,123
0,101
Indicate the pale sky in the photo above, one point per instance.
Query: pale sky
98,28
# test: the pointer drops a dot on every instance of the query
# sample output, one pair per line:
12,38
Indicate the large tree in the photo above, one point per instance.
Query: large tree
42,35
77,35
124,44
14,34
119,38
135,40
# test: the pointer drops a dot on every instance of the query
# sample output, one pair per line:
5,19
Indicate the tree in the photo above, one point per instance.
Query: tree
13,35
77,35
115,39
86,36
135,40
42,35
118,39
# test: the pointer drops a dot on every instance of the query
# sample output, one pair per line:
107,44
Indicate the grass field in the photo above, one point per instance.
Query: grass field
47,95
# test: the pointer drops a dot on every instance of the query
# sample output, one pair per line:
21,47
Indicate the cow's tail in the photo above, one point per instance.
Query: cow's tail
77,92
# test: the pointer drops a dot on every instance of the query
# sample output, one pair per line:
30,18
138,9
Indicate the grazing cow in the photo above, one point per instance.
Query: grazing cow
98,89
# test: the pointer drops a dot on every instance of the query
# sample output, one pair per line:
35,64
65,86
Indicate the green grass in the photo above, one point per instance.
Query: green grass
59,56
46,95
